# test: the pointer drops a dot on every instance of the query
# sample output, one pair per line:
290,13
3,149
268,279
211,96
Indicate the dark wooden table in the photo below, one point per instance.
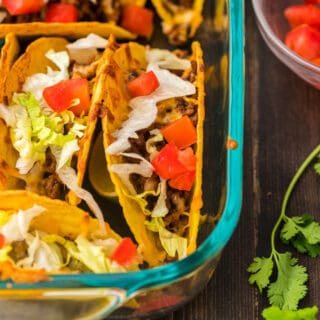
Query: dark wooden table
282,126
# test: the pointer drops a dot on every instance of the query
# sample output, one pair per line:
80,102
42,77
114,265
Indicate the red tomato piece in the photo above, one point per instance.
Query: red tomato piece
184,181
61,12
143,85
137,19
166,162
303,14
316,61
126,253
188,158
2,240
305,41
17,7
182,132
312,1
70,94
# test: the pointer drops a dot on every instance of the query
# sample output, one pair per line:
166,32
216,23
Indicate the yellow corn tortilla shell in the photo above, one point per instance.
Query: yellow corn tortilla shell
182,23
8,155
114,98
33,61
72,30
60,217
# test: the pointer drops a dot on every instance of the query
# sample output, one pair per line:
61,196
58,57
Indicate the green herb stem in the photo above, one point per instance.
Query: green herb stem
288,193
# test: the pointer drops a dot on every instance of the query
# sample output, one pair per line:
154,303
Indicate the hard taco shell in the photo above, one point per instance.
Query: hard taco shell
119,62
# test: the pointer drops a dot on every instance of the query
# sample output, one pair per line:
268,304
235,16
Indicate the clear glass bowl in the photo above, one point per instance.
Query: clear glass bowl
273,27
154,292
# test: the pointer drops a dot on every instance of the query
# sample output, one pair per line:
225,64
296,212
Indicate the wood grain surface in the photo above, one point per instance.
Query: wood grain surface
282,126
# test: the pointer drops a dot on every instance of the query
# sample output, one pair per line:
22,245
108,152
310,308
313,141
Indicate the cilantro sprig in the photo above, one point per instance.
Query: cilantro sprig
280,273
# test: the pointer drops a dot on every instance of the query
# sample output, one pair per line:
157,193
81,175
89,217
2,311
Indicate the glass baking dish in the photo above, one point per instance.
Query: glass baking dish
154,292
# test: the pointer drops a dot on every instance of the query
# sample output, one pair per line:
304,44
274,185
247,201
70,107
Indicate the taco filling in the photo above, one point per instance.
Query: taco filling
180,18
156,153
130,14
51,119
40,239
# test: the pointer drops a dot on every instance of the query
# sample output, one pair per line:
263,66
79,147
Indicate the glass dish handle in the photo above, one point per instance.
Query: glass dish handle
62,304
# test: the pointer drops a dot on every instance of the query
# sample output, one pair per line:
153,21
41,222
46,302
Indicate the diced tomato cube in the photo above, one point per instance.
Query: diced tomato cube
312,1
137,19
17,7
2,240
126,253
188,158
166,162
184,181
303,14
61,12
143,85
182,132
305,41
70,94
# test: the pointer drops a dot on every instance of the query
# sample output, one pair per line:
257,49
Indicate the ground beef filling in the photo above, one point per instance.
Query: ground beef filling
102,10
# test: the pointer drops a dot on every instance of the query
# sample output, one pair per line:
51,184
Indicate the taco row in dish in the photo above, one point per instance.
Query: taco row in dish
74,18
152,104
122,18
40,236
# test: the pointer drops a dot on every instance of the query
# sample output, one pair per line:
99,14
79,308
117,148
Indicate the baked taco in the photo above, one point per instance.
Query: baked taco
124,19
40,236
180,19
50,112
152,117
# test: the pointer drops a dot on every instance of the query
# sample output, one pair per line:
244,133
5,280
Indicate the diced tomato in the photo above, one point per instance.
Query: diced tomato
166,162
303,14
312,1
182,132
70,94
184,181
188,158
316,61
17,7
143,85
126,253
305,41
137,19
2,240
61,12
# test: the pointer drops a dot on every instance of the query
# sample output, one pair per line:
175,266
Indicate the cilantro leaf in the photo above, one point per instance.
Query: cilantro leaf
289,288
305,225
317,167
303,246
261,269
274,313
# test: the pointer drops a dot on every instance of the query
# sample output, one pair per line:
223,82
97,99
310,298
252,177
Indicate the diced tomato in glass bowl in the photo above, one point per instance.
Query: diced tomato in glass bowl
291,29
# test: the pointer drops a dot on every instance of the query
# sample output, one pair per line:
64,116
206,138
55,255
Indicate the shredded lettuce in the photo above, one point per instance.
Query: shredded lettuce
123,170
68,177
160,209
88,253
84,50
144,109
172,243
167,60
37,82
41,254
32,132
17,227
